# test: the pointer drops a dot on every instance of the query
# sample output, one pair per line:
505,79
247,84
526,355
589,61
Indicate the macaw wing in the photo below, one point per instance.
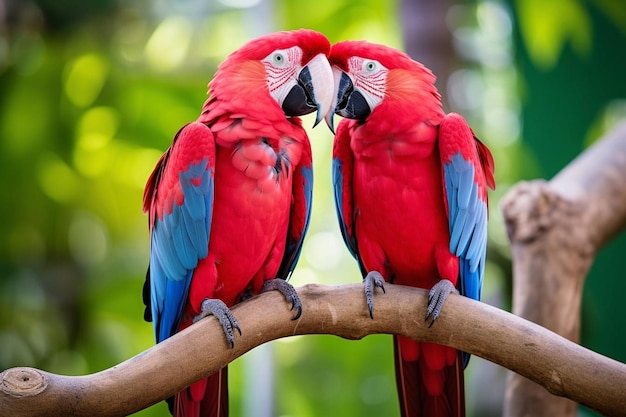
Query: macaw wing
342,166
179,199
300,214
467,171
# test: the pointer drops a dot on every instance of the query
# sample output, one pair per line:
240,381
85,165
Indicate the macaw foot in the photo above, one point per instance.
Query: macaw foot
288,291
371,281
437,297
217,308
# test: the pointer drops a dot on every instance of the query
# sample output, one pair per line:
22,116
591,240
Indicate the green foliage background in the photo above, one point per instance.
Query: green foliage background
92,92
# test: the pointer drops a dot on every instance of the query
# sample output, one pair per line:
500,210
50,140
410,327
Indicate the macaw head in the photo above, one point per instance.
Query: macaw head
369,77
288,68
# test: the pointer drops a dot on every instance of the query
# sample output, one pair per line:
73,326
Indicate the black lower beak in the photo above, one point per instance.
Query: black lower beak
299,100
350,102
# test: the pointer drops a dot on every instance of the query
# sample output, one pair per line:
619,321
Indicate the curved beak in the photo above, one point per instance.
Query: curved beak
312,91
348,102
339,89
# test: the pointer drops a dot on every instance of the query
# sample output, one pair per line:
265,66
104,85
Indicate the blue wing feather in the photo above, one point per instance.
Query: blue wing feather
453,207
164,250
180,238
467,217
157,288
456,229
169,319
479,237
467,211
198,203
468,231
466,179
182,244
173,256
468,223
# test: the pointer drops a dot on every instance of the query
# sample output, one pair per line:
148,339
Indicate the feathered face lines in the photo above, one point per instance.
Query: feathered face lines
370,77
281,67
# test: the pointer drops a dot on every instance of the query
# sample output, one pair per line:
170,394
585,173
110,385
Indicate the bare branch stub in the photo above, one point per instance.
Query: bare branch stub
555,229
23,382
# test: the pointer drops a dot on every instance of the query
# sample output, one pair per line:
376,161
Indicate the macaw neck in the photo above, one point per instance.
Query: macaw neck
396,129
395,116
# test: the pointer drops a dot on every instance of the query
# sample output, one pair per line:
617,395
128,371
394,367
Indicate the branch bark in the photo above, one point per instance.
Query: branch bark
563,367
555,229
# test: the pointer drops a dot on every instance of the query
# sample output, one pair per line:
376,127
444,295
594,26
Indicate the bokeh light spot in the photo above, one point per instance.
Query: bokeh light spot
85,77
57,180
324,251
144,161
167,47
94,133
88,239
99,120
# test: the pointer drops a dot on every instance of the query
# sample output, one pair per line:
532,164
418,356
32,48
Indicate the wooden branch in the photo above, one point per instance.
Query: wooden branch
563,367
555,229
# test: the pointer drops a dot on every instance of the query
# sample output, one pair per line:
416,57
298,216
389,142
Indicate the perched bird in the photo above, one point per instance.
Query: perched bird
410,186
229,202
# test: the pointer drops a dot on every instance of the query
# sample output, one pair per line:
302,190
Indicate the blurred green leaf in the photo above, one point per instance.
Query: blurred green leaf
547,26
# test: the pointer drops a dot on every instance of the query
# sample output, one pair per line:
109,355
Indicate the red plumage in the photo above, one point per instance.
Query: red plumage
239,180
396,169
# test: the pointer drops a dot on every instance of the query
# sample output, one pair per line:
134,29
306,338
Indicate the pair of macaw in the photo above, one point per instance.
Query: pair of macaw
229,202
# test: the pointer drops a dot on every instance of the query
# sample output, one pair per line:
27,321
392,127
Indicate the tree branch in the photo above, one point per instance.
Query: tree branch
555,229
563,367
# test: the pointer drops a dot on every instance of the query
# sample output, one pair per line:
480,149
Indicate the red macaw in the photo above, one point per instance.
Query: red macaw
410,187
229,202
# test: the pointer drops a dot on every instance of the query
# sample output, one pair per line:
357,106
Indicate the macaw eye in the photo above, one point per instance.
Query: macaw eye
370,66
279,58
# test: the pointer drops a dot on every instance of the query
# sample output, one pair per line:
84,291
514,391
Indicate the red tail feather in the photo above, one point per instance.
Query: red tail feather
415,401
486,159
205,398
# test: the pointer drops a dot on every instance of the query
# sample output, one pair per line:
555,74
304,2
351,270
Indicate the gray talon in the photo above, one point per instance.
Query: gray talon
371,281
217,308
437,297
288,291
